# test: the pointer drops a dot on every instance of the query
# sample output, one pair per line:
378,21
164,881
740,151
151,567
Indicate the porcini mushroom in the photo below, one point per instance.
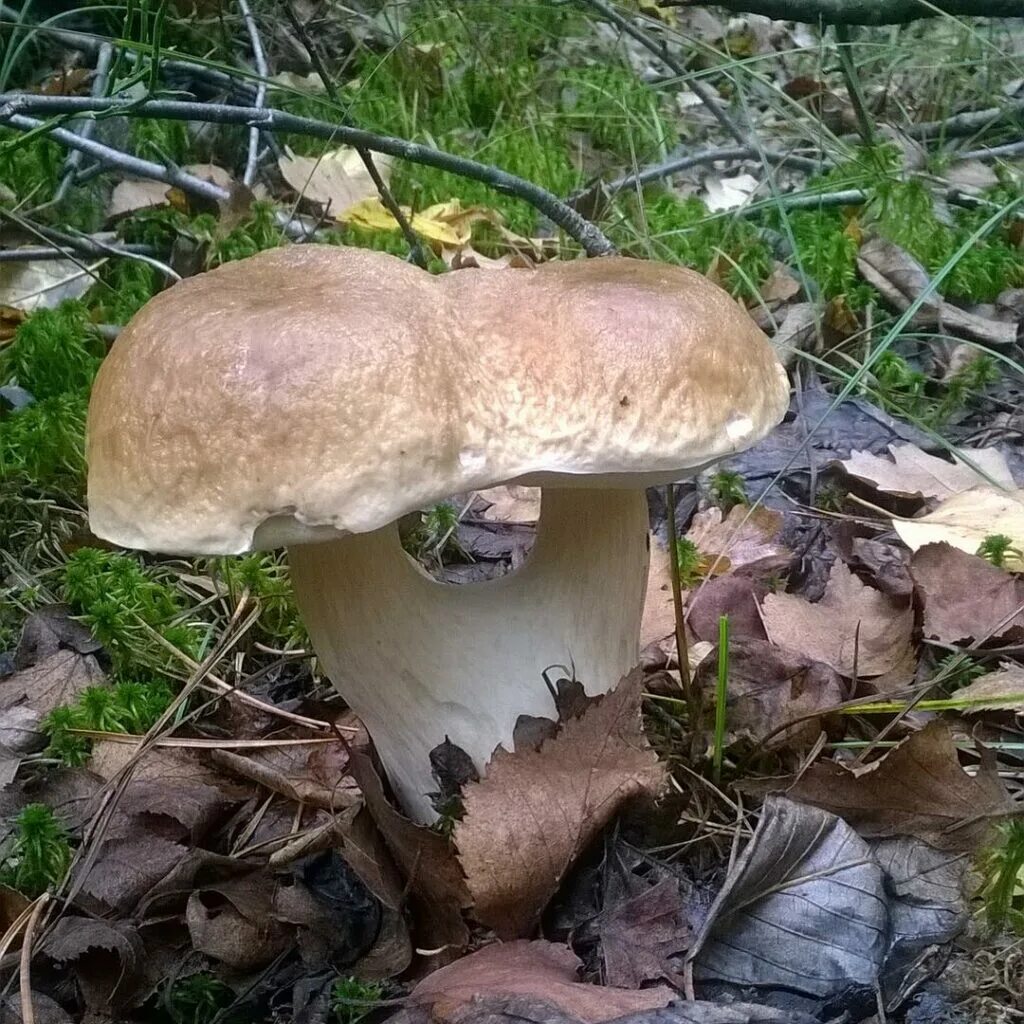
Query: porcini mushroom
310,396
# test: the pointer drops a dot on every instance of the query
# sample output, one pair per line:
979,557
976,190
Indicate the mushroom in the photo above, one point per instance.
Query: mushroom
310,396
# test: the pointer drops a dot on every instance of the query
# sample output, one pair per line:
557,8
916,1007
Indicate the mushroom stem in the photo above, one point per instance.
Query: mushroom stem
419,660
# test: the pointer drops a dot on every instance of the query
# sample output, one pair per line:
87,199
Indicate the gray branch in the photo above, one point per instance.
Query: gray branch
260,60
863,12
589,236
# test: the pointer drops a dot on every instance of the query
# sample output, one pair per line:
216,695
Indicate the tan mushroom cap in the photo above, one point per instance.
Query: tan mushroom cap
312,391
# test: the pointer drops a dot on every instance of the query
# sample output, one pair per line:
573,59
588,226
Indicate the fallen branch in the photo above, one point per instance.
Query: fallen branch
259,59
36,253
589,236
863,12
967,123
99,88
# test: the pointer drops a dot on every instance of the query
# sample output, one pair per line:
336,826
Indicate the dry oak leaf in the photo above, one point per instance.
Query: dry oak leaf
534,811
542,970
917,789
133,194
966,519
855,629
56,680
745,539
447,224
914,473
338,179
967,598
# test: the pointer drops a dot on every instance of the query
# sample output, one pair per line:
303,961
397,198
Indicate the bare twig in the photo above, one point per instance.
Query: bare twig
993,152
84,246
706,96
28,1013
589,236
656,172
259,58
863,12
387,197
99,88
967,123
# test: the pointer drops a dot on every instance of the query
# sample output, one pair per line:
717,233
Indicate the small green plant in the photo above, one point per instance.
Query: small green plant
721,698
728,490
434,541
1002,889
353,999
118,598
129,707
125,287
42,445
997,548
690,561
40,854
265,577
198,999
956,671
831,497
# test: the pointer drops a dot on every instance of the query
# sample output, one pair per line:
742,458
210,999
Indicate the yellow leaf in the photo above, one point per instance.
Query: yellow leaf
966,519
447,225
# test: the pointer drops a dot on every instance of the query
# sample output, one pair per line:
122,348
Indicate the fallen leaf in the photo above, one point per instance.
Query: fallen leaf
746,539
659,617
511,503
21,734
535,811
49,629
337,179
45,1010
901,280
542,970
43,284
641,931
769,687
424,857
729,193
130,195
11,318
802,908
447,224
1003,688
972,176
734,595
857,630
966,598
104,957
780,285
126,868
311,83
913,473
966,519
232,922
918,788
886,562
53,682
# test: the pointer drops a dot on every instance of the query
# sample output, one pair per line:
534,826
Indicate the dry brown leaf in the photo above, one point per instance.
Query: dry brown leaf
337,180
917,789
966,519
966,598
780,285
511,503
639,933
855,629
1003,688
659,618
125,869
914,473
43,284
133,194
902,280
424,857
544,970
53,682
11,319
734,595
535,811
746,539
770,687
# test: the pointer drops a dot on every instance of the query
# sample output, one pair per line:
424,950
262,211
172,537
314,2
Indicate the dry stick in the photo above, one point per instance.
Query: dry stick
28,1014
967,123
682,648
862,12
99,88
992,152
84,246
259,58
593,241
416,250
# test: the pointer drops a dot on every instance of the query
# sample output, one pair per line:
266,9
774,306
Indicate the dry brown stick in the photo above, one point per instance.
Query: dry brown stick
862,12
416,249
28,1014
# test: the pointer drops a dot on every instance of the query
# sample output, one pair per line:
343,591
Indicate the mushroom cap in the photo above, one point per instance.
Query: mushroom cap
314,391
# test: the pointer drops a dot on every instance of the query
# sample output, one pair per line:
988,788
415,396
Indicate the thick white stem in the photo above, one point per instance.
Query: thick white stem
419,660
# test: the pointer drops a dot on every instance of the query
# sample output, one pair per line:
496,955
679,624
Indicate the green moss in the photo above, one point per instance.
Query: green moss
265,577
127,707
683,231
618,111
117,597
40,854
29,167
904,212
43,444
54,352
158,140
126,286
